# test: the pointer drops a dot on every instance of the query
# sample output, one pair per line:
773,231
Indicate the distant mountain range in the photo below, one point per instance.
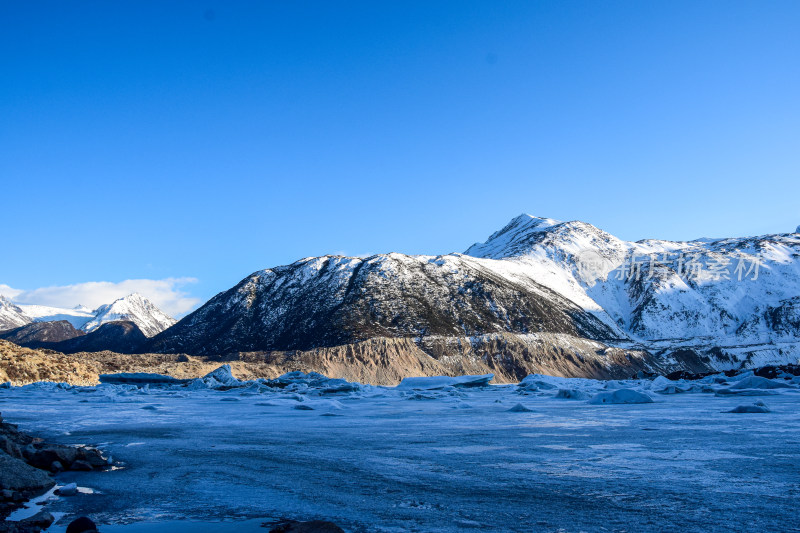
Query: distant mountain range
538,295
133,307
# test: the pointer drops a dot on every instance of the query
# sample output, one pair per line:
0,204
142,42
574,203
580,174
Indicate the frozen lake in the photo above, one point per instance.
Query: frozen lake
444,460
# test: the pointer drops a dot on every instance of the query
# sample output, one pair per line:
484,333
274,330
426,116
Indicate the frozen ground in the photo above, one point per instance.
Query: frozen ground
405,459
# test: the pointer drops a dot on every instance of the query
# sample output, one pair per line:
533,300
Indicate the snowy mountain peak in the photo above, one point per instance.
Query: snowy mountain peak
527,234
136,308
797,230
515,237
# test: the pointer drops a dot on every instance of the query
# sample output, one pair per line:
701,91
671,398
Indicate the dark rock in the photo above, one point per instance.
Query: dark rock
10,447
45,457
81,466
41,519
773,372
34,524
11,496
93,457
16,474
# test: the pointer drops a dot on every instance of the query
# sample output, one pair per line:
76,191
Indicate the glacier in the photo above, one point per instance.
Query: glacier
219,453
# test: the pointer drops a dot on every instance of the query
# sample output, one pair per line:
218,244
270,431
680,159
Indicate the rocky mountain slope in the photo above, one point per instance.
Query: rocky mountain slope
41,334
121,336
133,307
333,300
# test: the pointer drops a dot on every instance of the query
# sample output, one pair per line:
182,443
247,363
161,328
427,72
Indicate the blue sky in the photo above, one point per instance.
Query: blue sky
206,140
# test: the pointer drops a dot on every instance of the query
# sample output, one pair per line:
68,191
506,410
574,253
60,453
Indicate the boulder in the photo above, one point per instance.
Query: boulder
17,475
68,490
81,525
82,466
45,457
38,522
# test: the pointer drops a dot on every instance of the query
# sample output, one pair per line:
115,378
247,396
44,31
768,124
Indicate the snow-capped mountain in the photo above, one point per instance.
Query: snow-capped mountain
134,308
738,297
11,316
539,295
709,303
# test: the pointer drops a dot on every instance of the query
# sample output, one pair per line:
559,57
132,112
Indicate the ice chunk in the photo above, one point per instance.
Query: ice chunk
533,382
758,407
620,396
519,408
140,378
572,394
672,389
439,382
661,382
745,392
220,378
757,382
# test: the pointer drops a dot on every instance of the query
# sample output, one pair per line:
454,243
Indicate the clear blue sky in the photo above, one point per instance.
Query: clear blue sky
212,139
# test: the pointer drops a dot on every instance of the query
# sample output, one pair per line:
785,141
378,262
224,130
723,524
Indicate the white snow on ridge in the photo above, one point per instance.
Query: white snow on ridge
43,313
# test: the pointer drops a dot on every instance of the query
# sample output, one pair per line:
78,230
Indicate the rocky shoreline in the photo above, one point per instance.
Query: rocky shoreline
27,464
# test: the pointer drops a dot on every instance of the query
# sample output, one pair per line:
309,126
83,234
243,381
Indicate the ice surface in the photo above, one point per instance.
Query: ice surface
369,459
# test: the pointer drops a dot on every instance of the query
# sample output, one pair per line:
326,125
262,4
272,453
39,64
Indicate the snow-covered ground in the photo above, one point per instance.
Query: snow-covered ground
435,454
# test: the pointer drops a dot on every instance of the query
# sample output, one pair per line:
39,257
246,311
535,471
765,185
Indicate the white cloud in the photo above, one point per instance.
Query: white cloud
9,292
167,294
